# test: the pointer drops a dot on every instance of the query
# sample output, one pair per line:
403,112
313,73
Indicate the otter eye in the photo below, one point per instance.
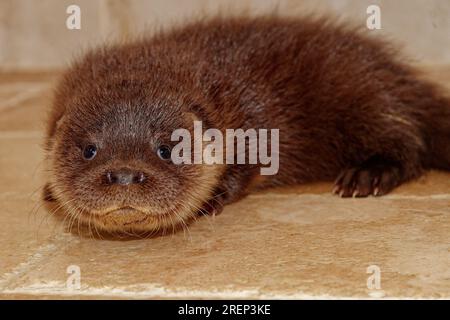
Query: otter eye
89,152
164,152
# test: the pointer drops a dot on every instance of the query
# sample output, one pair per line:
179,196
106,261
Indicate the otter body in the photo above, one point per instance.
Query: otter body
347,107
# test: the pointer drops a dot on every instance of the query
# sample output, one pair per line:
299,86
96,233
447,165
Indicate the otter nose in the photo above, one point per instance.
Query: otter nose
125,177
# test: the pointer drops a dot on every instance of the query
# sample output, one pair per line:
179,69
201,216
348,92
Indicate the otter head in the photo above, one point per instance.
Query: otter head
110,160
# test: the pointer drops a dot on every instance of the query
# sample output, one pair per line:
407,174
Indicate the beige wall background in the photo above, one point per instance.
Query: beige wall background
33,34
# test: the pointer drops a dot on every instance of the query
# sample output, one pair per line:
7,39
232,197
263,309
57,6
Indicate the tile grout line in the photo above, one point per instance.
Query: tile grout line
41,253
155,291
15,84
436,196
21,134
24,96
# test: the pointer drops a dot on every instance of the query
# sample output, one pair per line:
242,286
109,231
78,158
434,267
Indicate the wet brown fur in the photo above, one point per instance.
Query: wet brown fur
347,107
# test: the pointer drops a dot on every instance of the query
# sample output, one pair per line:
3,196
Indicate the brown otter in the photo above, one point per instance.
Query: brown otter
346,105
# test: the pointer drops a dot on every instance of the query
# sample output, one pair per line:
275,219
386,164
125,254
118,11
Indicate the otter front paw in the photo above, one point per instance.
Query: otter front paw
214,206
363,181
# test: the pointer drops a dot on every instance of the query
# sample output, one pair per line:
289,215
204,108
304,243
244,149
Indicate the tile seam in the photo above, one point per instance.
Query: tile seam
23,97
43,252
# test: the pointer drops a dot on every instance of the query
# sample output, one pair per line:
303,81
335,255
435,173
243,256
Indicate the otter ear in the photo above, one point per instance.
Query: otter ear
55,125
191,116
193,112
59,122
198,112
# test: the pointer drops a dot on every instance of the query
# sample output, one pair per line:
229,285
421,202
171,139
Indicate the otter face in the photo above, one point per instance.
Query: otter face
112,170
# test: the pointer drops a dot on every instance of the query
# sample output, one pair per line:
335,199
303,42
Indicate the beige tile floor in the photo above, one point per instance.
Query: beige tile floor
296,243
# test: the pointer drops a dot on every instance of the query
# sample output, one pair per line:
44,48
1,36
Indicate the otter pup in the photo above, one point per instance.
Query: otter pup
347,108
